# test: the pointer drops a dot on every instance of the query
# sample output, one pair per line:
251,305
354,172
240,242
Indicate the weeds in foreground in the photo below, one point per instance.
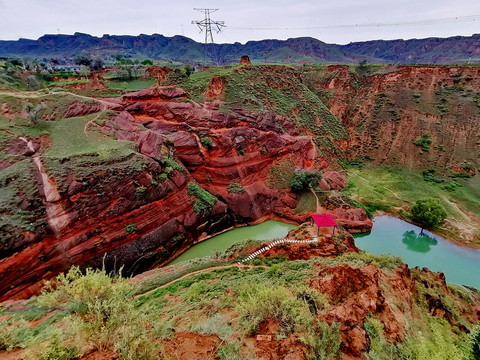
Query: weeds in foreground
101,316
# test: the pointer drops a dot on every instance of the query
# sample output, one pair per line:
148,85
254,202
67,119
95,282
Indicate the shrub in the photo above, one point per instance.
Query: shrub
235,189
15,335
439,344
205,200
169,162
54,350
102,316
323,341
429,213
230,351
303,179
140,192
131,228
425,141
429,176
474,340
214,325
206,143
147,62
262,302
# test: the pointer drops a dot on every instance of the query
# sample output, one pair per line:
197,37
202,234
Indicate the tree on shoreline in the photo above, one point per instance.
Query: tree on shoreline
429,213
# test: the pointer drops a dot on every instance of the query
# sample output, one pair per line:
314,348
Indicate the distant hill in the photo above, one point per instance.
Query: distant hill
457,49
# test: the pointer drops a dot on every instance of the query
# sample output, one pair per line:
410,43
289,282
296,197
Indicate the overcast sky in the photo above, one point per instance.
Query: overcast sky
33,18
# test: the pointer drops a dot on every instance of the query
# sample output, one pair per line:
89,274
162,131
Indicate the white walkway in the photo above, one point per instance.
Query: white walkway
275,243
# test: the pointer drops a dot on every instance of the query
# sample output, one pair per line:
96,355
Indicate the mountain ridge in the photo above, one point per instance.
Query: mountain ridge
433,50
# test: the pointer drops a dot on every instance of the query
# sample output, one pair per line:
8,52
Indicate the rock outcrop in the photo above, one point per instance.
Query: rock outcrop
137,212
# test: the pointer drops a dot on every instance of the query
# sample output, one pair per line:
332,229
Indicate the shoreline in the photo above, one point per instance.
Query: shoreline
434,231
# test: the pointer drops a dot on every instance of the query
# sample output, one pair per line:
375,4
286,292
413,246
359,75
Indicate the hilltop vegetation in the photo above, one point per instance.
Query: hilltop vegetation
227,306
146,174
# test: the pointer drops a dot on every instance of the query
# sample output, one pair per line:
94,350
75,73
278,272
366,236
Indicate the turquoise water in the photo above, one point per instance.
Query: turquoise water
397,237
265,231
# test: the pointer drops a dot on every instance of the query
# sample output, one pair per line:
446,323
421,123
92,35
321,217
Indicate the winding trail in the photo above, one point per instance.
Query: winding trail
240,266
316,197
275,243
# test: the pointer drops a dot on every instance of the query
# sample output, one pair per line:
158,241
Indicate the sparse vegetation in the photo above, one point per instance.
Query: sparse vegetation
131,228
235,188
424,142
205,201
206,142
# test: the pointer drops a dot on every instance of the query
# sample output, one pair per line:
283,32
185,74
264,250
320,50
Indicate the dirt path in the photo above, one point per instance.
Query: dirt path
316,197
200,272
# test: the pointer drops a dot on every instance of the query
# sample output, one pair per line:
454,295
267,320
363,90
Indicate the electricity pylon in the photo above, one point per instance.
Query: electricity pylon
206,24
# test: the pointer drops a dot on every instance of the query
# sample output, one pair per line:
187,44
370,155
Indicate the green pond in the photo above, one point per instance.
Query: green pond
267,230
397,237
388,236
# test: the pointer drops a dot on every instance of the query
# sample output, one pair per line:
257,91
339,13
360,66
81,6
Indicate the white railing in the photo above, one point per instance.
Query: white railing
275,243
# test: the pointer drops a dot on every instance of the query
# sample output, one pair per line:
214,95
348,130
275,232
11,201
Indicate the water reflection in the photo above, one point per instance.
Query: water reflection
421,243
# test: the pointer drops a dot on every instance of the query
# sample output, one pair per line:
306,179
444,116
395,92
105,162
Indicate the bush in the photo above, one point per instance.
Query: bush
169,162
205,200
323,341
429,176
439,344
102,316
260,303
425,141
147,62
303,179
230,351
15,335
206,143
131,228
474,340
235,189
214,325
140,192
429,213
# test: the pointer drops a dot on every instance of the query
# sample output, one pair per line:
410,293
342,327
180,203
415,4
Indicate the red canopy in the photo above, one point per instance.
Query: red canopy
324,220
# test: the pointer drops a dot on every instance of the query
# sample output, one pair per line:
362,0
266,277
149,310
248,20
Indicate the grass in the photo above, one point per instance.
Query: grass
398,189
204,200
281,173
132,85
99,311
278,89
70,140
235,188
307,203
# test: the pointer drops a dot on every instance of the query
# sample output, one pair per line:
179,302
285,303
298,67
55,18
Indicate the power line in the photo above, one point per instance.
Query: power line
206,25
457,19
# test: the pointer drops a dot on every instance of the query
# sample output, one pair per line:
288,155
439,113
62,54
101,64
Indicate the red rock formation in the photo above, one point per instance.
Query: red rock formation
160,72
216,88
386,112
245,60
98,206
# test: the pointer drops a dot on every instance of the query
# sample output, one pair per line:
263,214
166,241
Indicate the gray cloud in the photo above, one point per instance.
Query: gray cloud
33,18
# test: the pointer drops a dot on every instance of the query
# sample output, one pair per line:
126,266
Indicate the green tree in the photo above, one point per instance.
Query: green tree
147,62
83,59
303,179
187,70
429,213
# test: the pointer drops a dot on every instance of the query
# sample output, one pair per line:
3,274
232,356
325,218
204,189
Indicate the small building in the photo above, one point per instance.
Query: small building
324,220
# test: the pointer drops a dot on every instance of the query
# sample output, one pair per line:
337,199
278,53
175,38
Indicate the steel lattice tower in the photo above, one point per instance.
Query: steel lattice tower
206,25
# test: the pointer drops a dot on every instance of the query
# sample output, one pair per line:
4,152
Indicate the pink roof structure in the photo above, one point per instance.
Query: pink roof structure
324,220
